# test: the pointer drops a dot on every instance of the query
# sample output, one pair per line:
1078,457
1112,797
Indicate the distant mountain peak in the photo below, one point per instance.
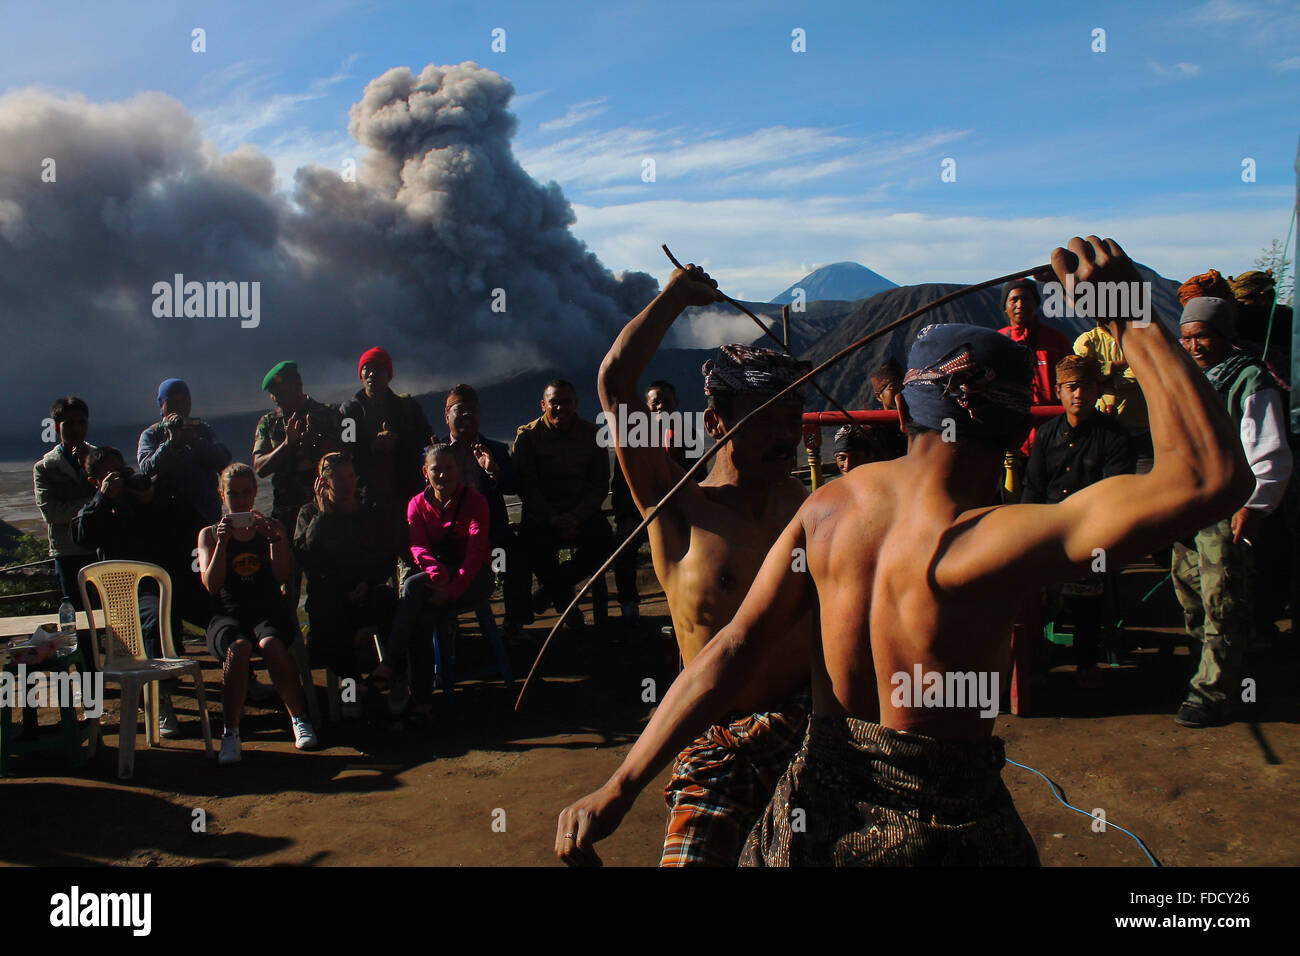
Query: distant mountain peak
842,281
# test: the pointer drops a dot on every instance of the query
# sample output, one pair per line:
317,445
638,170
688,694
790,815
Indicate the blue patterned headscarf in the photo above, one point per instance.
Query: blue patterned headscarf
973,376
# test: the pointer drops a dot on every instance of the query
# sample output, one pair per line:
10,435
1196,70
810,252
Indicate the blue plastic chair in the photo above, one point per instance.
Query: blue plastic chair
444,651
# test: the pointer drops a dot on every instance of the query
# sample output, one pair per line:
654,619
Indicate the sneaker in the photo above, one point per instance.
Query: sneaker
304,737
1194,715
168,724
230,750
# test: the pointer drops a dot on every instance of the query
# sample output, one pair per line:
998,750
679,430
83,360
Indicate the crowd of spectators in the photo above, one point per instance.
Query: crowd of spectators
393,526
397,527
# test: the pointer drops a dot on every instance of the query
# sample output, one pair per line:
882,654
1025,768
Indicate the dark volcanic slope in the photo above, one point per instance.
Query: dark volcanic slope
849,381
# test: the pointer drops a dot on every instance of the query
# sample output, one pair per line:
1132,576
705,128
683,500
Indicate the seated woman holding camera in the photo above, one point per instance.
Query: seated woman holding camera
449,544
243,561
347,550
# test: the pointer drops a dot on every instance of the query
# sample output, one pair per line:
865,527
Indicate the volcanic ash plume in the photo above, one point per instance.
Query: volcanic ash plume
440,225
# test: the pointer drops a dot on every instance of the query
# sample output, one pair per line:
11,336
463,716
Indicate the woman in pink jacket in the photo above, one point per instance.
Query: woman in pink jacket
449,545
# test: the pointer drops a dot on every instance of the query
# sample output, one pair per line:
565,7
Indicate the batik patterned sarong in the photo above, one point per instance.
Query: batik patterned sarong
859,794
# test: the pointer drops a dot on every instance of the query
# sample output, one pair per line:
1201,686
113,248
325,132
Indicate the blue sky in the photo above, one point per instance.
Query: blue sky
768,161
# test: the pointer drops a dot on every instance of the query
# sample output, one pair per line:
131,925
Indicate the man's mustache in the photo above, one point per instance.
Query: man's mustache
779,453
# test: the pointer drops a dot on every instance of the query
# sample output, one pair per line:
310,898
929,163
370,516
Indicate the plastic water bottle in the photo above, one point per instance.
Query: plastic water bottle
68,637
67,618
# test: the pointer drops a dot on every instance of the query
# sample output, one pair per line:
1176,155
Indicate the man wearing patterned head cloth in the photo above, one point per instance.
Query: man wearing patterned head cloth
707,546
1255,293
916,580
853,447
1206,284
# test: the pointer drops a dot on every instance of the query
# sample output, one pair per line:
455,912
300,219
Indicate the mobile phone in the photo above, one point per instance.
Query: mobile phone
241,519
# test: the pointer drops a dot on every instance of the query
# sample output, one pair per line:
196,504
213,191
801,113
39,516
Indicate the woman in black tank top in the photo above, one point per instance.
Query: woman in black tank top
243,561
250,591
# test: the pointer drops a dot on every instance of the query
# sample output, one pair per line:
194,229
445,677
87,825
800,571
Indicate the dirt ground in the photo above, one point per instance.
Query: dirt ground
482,786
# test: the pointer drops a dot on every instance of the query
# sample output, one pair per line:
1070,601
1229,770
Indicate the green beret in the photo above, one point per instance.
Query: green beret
279,373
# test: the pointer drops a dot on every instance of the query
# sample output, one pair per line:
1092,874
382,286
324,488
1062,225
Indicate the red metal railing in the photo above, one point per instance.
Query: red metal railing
879,416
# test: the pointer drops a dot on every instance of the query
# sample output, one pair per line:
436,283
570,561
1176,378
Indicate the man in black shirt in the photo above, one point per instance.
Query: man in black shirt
386,432
1072,451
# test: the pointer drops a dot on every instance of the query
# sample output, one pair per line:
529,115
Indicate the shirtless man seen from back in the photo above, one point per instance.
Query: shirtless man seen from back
707,546
912,571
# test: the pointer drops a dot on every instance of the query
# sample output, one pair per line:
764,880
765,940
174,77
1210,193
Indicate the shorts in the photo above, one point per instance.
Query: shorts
223,631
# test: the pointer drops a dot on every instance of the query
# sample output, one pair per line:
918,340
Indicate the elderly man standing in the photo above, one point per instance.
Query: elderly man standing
60,484
563,480
1212,571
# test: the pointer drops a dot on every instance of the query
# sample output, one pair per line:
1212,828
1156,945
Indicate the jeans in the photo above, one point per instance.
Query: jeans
416,620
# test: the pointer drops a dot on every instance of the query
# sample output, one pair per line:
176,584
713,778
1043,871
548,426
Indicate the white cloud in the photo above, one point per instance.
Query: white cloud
577,113
710,328
527,99
1178,70
774,156
1290,63
245,105
1221,11
762,245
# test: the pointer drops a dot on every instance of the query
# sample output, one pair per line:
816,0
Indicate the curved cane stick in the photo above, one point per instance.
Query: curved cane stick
690,472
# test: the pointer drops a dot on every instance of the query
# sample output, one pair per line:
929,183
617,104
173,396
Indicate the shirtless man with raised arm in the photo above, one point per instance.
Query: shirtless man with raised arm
911,570
707,546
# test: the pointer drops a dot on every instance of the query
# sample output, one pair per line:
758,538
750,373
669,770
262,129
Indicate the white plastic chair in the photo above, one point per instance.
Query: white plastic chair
123,659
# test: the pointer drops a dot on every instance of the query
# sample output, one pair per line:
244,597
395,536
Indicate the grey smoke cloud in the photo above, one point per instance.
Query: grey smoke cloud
407,256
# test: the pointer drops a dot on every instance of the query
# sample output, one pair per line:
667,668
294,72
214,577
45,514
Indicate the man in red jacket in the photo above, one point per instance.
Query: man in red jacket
1020,302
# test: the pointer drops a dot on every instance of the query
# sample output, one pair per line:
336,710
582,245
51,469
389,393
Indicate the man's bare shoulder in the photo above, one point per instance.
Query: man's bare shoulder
863,489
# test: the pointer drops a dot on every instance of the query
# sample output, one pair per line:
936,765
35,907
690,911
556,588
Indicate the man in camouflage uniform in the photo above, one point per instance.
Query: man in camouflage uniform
1212,572
289,444
291,441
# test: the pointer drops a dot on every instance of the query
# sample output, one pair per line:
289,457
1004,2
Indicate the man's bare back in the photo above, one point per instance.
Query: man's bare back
875,542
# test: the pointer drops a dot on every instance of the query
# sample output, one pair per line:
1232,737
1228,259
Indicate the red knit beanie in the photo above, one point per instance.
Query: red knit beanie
377,356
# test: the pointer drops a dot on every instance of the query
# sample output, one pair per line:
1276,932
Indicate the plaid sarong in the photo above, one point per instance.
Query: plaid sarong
721,783
859,794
